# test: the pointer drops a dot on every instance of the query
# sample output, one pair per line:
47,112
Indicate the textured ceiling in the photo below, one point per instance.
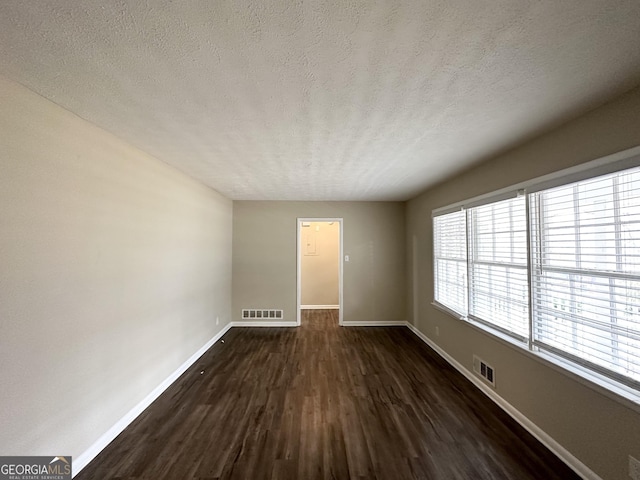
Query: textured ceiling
323,100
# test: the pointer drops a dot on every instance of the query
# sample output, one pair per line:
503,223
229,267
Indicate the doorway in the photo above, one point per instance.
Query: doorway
319,278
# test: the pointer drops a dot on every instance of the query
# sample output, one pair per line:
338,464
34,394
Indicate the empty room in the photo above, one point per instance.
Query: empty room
320,239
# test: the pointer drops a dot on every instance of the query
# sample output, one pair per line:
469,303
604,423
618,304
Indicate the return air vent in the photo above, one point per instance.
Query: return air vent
485,371
261,313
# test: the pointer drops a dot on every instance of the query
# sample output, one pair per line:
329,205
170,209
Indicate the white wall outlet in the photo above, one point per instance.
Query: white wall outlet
634,468
217,320
346,258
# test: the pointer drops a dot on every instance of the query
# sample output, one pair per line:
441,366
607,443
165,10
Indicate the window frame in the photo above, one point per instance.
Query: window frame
451,309
473,261
603,381
544,269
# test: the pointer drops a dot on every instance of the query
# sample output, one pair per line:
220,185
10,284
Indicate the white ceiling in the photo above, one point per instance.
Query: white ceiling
323,100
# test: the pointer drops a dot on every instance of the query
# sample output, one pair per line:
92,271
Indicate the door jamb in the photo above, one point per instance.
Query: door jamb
299,264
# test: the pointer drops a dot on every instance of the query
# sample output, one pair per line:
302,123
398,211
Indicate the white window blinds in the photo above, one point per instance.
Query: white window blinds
450,261
558,269
586,273
498,274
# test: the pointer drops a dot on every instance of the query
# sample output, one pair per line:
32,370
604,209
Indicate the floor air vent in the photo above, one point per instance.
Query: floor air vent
485,371
262,313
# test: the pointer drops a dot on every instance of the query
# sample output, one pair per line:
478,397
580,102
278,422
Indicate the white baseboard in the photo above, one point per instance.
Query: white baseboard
319,307
106,438
378,323
265,323
543,437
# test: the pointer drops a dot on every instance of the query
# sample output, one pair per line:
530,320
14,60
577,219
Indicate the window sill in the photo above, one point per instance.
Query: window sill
611,389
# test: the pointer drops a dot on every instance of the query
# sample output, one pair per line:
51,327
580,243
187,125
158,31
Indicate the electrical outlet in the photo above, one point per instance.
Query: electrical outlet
634,468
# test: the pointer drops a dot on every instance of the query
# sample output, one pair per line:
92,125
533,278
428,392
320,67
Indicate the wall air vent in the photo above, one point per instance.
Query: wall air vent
262,313
486,371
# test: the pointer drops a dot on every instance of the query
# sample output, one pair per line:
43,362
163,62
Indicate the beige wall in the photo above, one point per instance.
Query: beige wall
113,269
599,431
264,265
320,263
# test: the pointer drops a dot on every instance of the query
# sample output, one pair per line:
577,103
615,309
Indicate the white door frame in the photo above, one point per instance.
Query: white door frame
299,264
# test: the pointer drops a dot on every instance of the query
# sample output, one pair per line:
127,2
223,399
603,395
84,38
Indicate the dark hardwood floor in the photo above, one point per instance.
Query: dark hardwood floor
323,401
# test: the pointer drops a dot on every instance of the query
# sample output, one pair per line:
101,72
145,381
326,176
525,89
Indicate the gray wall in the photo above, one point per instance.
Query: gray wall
114,267
264,256
601,432
320,264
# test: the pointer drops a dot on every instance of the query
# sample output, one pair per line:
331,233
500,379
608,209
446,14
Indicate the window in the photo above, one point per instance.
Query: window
498,283
450,253
558,270
586,273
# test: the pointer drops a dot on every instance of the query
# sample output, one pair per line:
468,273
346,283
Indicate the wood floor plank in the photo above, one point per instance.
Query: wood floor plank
323,402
